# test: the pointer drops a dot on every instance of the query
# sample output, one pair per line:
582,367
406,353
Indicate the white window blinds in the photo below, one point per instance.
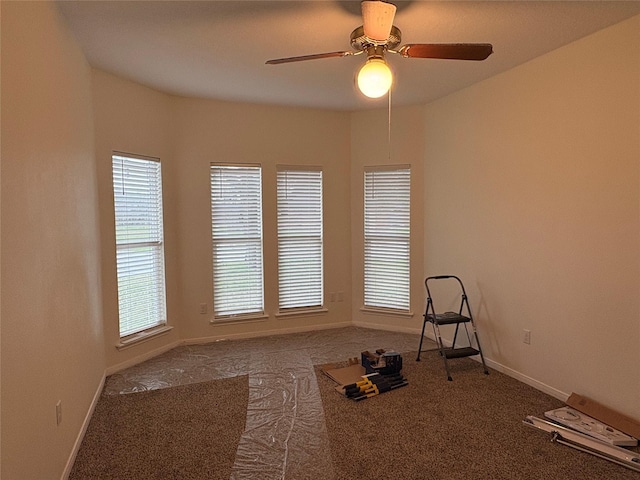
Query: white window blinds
137,189
236,230
386,237
300,274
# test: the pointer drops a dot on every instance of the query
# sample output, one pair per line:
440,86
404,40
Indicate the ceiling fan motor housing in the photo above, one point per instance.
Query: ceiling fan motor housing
359,41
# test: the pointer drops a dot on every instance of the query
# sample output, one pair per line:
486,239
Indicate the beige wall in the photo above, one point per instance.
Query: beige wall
211,131
189,134
52,340
133,119
370,146
543,223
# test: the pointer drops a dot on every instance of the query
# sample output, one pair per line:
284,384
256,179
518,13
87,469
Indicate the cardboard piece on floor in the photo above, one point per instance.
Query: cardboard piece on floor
345,375
605,415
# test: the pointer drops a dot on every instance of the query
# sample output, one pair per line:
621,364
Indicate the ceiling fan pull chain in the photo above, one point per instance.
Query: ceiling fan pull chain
389,127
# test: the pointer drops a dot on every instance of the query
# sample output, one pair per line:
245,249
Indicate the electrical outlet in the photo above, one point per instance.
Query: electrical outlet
340,296
332,297
203,308
59,412
526,337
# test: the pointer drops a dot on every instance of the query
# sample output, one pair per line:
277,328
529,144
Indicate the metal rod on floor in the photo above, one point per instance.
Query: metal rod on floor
585,443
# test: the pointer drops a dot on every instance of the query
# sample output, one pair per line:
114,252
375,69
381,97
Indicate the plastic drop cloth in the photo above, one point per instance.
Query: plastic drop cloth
229,358
285,435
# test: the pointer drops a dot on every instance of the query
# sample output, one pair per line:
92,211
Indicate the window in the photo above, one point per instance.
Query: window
300,274
137,191
236,230
386,237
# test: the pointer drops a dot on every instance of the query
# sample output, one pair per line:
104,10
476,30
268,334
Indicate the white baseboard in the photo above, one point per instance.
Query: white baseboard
141,358
83,430
265,333
532,382
388,328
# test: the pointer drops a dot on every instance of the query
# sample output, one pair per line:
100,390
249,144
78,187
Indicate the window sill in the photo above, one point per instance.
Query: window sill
261,317
304,312
386,312
141,337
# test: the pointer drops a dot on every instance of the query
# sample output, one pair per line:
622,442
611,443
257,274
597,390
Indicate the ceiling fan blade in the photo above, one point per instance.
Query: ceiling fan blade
450,51
301,58
377,19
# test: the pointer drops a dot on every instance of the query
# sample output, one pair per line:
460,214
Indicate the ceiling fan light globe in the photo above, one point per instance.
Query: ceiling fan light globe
375,78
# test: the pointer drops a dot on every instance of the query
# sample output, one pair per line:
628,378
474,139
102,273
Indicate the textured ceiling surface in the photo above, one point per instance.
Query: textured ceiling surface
218,49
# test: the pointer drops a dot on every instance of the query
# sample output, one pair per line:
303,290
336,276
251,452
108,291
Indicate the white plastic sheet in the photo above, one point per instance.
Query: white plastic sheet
285,433
229,358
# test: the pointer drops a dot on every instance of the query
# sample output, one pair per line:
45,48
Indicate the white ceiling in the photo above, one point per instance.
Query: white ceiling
218,49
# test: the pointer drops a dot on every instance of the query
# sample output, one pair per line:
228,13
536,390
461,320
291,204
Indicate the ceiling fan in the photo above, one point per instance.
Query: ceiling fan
378,36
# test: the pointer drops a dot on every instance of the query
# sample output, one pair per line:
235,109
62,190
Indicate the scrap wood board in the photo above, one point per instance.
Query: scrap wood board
604,414
344,375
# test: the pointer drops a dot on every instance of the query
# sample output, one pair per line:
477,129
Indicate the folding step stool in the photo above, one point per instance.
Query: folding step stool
451,318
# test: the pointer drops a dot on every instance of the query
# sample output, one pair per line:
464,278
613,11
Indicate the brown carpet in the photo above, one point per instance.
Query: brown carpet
184,432
470,428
